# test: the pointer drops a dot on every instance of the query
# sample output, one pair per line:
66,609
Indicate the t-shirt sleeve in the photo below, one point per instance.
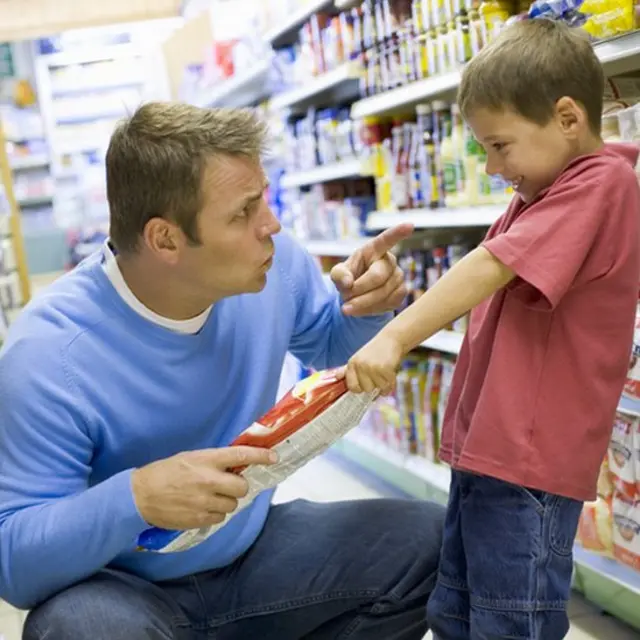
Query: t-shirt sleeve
550,240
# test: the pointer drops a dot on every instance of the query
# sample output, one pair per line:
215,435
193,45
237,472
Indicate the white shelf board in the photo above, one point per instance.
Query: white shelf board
437,218
617,55
407,96
241,90
445,341
343,5
615,571
316,86
326,173
29,162
436,475
287,30
334,248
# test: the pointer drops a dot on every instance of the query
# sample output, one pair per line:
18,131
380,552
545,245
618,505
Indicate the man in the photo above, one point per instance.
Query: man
123,385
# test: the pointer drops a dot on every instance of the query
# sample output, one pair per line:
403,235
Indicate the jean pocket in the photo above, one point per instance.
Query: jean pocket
564,516
539,498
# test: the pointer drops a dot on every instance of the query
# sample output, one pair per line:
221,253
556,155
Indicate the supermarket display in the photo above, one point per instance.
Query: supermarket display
305,422
430,161
334,211
14,279
410,420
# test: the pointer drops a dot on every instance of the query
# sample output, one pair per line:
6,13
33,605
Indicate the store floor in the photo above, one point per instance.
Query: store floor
323,480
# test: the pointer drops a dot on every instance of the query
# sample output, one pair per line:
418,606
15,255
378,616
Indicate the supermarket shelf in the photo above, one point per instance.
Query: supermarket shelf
610,585
445,341
619,573
241,90
322,88
287,33
29,162
327,173
343,5
618,55
35,201
629,406
334,248
437,219
405,98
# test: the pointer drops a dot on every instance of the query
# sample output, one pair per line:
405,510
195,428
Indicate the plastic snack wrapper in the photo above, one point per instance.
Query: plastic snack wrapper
567,11
313,415
595,530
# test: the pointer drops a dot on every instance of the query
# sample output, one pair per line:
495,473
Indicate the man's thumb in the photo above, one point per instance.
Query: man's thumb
342,277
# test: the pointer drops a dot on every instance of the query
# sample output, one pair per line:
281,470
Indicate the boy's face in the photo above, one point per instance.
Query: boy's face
527,155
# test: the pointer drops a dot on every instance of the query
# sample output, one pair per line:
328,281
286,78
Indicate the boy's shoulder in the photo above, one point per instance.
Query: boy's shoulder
613,161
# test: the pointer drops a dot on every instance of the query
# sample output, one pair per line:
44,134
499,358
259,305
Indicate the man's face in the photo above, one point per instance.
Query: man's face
235,229
527,155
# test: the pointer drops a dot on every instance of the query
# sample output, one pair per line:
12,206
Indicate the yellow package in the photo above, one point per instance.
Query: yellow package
608,18
595,530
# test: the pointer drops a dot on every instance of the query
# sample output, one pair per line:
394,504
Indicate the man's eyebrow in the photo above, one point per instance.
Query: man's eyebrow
254,196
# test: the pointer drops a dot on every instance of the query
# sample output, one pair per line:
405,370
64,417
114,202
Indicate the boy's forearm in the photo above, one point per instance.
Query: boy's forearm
477,276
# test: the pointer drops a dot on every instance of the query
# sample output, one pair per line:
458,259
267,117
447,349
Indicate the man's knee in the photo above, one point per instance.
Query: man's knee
102,609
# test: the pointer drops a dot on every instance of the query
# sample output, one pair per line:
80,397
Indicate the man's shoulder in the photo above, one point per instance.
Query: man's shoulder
56,316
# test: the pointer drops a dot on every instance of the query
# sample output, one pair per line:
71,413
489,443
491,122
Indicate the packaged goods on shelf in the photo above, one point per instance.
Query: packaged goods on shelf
632,385
334,211
401,41
410,420
322,137
424,267
599,18
610,525
432,161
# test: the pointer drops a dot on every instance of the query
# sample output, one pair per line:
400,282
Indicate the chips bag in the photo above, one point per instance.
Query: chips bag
313,415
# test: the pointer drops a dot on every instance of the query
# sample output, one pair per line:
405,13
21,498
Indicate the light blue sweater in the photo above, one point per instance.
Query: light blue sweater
89,390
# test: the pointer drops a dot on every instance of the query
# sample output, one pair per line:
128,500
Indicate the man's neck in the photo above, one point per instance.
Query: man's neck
157,290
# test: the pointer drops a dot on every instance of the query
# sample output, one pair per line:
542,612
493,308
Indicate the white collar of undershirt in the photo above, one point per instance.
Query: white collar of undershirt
111,268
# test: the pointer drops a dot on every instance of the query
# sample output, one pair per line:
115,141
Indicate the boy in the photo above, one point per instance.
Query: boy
553,290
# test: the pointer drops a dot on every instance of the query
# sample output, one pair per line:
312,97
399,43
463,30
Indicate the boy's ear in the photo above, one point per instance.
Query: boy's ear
570,116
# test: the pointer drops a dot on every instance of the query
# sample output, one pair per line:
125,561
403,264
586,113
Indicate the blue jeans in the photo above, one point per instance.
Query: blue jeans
506,563
357,570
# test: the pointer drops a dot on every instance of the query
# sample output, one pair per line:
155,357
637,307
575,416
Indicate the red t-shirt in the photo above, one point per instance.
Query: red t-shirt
542,367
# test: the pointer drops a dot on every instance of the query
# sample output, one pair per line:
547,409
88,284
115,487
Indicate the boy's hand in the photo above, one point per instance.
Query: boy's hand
375,366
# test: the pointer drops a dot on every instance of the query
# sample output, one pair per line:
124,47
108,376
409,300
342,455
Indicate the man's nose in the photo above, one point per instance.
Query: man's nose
270,226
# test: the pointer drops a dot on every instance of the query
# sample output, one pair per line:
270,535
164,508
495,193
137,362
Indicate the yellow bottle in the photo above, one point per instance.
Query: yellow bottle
459,153
493,16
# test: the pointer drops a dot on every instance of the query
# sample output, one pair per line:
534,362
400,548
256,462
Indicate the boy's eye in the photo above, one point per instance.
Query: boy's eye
499,146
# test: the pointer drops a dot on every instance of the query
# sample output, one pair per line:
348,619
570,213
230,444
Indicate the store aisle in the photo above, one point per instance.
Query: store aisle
326,479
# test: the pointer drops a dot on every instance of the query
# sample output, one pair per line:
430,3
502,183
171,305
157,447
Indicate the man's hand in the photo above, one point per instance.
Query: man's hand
194,489
370,281
375,366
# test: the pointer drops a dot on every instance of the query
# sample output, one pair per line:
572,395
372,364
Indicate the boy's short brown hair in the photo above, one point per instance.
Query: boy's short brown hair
529,67
156,159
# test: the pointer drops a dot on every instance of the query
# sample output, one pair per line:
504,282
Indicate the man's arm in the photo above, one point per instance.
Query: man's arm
323,335
54,529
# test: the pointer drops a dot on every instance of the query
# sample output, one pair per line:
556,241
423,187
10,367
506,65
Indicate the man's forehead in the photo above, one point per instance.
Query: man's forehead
234,172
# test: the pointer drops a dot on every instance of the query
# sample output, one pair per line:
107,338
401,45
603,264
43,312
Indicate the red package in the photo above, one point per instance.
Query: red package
304,402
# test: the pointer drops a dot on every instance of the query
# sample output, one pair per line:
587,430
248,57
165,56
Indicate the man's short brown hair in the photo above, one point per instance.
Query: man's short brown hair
156,159
529,67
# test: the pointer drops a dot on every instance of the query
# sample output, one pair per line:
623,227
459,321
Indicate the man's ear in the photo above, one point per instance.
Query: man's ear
163,239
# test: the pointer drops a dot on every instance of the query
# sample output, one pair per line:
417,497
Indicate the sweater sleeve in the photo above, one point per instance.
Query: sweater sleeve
323,336
54,528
